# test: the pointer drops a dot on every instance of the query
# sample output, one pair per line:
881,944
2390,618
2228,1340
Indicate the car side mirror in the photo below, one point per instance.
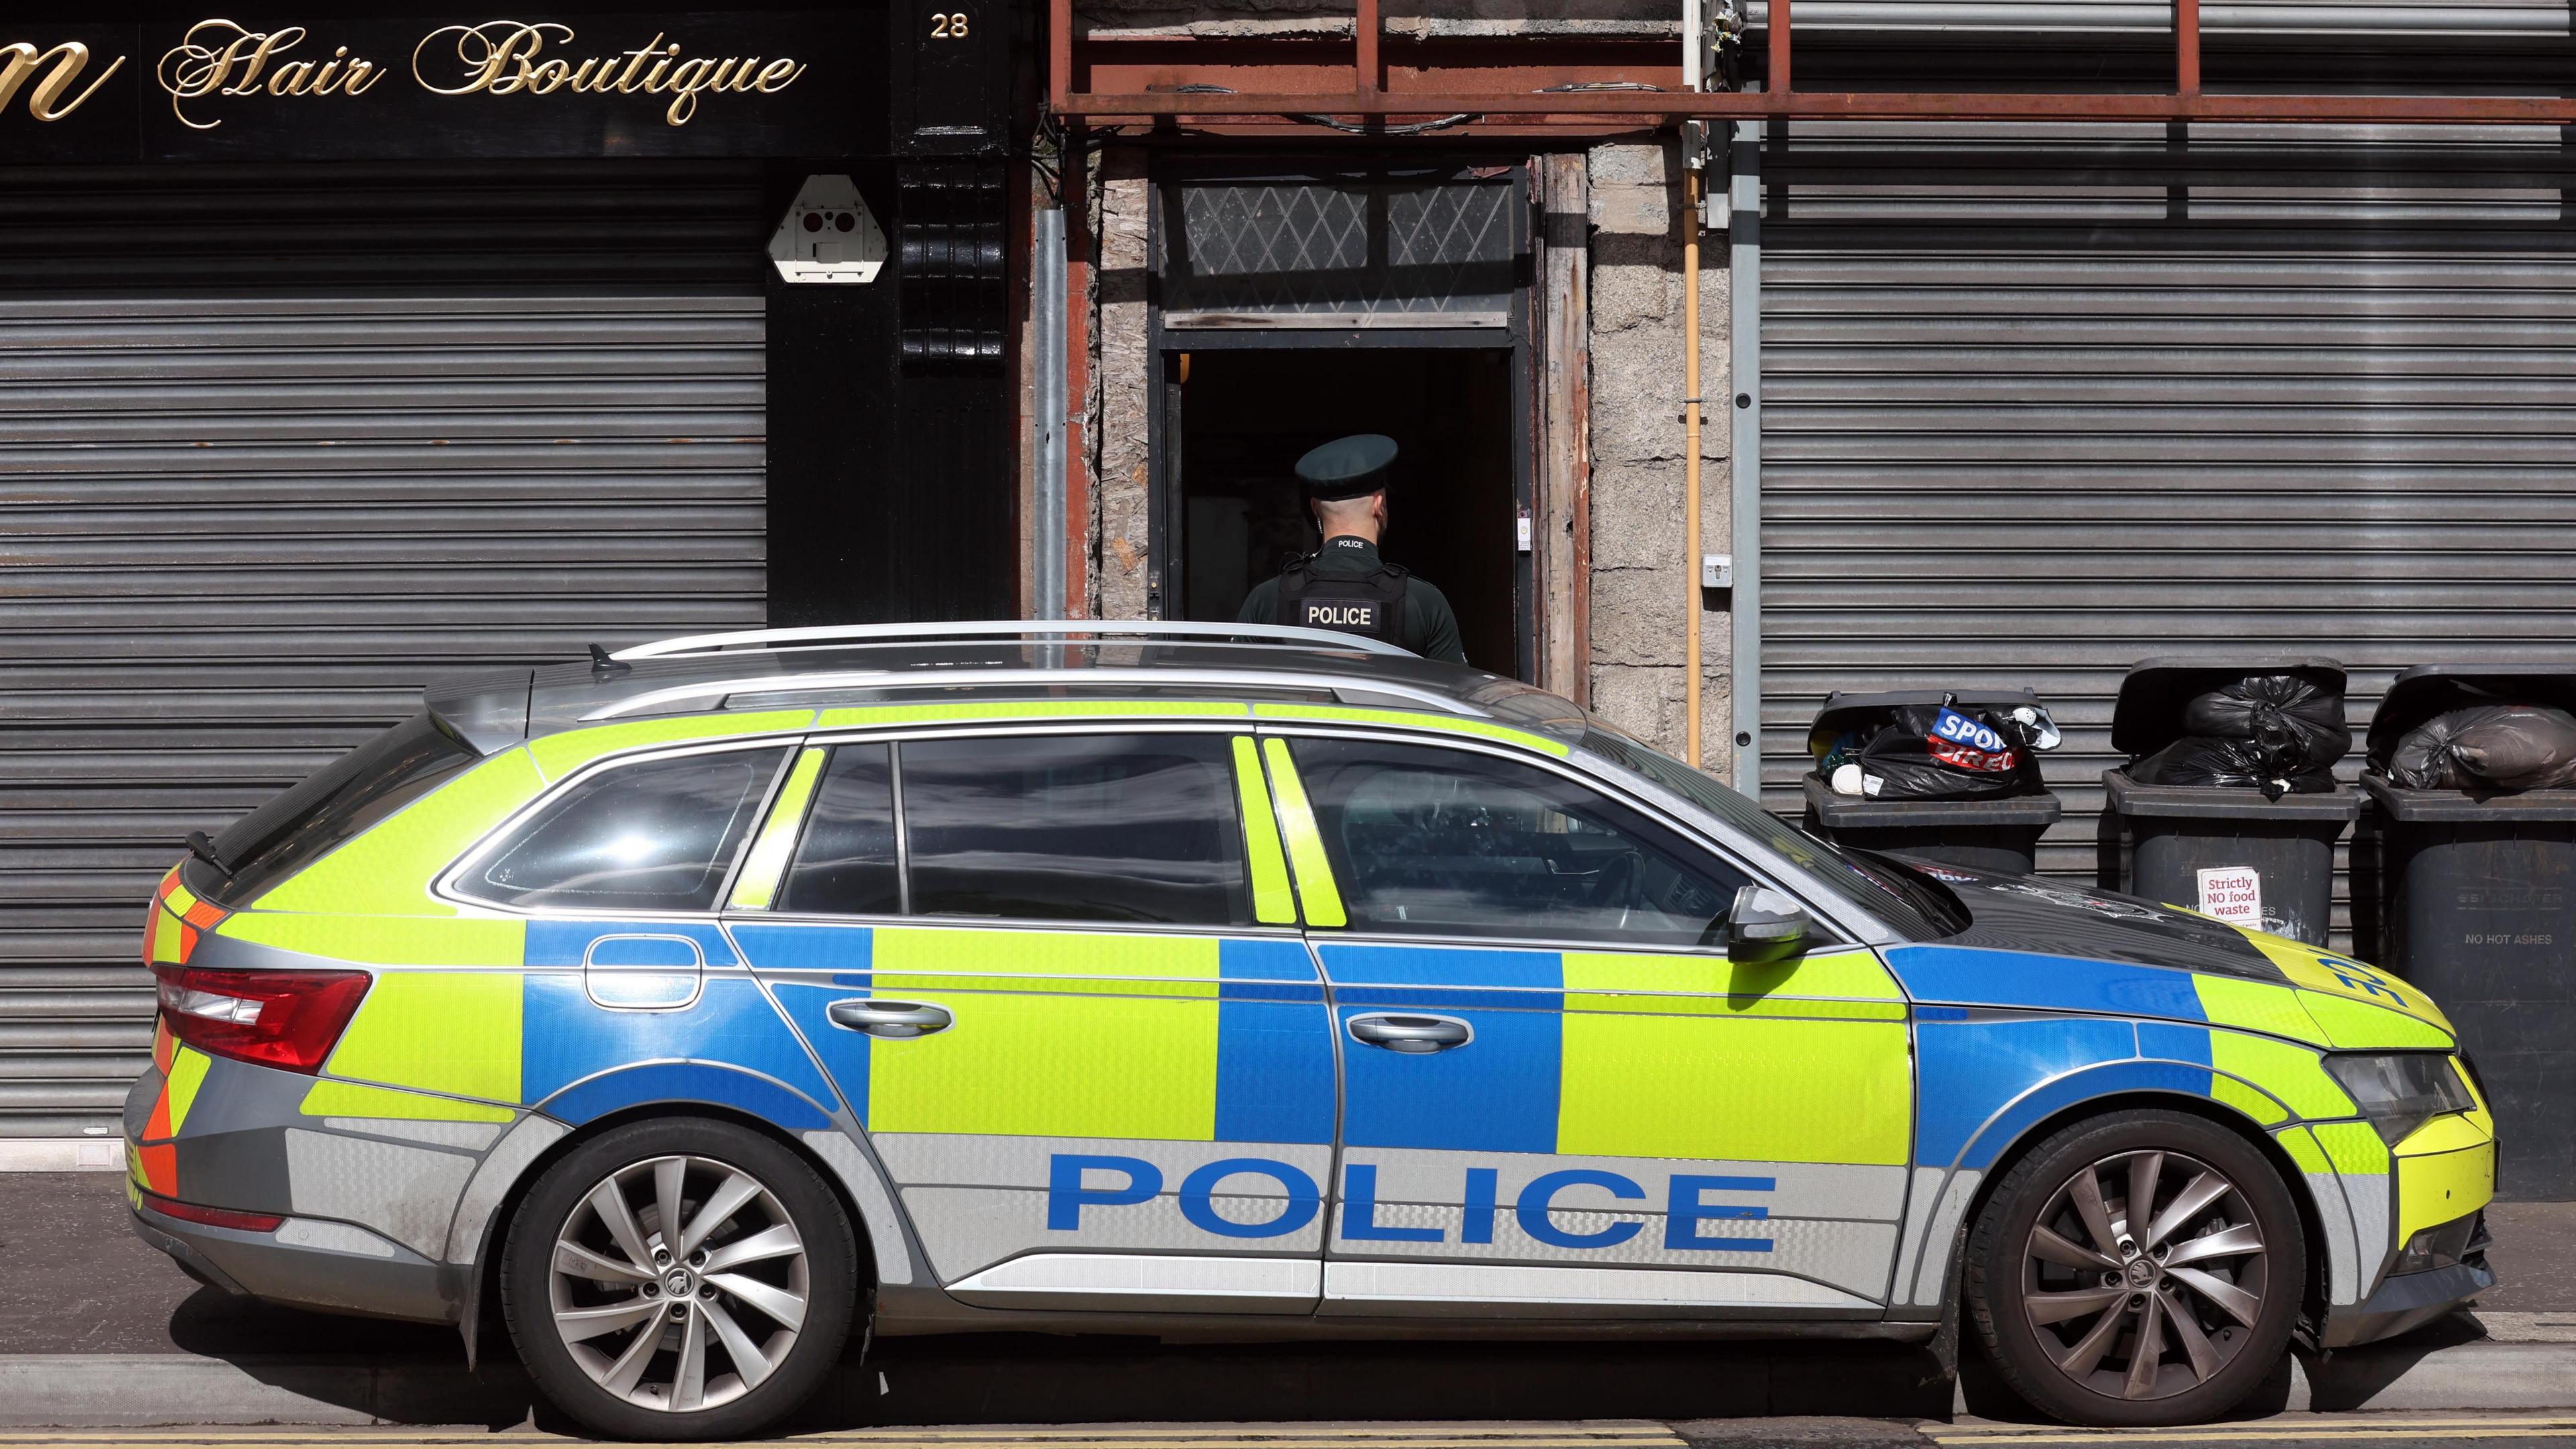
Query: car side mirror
1766,926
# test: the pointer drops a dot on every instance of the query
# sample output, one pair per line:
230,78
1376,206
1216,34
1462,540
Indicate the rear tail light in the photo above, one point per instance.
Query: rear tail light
288,1019
213,1217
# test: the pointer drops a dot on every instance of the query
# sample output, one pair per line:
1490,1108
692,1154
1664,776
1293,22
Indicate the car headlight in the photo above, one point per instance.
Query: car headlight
2401,1091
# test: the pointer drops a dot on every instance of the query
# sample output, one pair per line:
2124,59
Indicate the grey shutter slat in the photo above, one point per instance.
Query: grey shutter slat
2020,444
280,446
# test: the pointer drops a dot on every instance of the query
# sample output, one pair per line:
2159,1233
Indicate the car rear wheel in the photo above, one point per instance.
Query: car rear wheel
679,1280
2141,1268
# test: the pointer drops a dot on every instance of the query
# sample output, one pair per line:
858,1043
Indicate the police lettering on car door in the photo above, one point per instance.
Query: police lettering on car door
1077,1182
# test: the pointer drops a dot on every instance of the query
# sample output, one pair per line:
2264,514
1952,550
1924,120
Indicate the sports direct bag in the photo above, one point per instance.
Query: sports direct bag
2275,733
2491,747
1945,751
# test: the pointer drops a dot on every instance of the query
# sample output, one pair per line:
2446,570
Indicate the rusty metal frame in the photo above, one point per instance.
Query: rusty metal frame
1378,97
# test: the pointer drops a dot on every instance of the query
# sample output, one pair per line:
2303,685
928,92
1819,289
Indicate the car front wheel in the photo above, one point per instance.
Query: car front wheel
679,1280
2141,1268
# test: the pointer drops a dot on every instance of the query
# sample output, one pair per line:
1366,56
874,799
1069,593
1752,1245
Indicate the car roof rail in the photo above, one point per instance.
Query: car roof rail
1262,634
1198,685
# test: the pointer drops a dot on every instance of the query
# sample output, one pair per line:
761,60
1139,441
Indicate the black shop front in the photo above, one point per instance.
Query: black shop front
343,351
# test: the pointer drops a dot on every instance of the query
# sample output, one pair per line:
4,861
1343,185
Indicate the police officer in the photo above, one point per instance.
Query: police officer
1345,585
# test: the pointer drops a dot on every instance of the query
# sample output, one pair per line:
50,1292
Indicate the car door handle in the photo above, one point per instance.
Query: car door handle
1411,1034
893,1020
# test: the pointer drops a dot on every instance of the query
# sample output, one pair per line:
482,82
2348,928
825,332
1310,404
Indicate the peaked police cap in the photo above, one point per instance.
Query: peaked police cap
1351,467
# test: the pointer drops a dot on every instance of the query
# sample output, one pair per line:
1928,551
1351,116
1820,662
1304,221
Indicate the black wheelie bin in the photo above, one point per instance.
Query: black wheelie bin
2250,838
1997,831
2479,884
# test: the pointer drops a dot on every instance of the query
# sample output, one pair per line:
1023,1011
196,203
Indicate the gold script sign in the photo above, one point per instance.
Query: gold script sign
20,60
507,57
219,58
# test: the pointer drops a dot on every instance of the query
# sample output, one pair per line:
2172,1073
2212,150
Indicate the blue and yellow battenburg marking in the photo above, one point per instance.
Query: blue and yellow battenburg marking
1182,1038
2116,1027
1612,1054
536,1034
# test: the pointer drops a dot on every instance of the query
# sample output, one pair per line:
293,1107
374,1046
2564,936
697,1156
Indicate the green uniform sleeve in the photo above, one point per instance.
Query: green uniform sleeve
1437,627
1261,606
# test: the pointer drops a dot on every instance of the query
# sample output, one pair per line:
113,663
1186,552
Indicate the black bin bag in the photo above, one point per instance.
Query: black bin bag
1939,774
2492,747
1914,763
2277,733
1941,747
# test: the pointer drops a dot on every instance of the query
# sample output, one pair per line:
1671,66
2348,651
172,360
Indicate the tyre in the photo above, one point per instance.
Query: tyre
679,1279
2141,1268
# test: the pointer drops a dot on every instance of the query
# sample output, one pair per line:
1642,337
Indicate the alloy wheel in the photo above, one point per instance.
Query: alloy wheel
2144,1275
679,1283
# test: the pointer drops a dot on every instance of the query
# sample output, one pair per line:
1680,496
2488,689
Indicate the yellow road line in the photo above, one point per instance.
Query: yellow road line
980,1440
1450,1440
2349,1422
1606,1429
2345,1432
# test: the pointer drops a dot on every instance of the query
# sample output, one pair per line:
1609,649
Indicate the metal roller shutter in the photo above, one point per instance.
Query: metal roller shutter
2037,406
280,446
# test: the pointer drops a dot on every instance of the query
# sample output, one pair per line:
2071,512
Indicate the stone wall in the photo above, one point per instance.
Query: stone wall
1639,560
1123,372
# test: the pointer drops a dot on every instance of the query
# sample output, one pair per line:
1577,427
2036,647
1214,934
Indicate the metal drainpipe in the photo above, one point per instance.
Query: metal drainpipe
1690,465
1047,323
1744,355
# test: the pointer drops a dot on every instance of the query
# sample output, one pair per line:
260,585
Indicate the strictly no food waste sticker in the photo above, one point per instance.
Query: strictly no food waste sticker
2233,894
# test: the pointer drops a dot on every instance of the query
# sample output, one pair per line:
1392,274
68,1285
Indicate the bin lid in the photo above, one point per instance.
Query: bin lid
1848,710
2148,715
2430,689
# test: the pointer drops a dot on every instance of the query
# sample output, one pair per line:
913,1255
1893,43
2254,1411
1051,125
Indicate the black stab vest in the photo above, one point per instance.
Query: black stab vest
1369,604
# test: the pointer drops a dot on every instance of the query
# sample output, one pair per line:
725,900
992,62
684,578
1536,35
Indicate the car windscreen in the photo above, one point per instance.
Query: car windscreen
332,805
1879,886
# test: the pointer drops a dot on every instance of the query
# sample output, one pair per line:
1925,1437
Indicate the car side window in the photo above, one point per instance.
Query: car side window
658,835
845,864
1447,842
1081,827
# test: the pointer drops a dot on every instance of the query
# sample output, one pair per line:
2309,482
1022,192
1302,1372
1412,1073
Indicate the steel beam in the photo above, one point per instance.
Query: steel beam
1775,78
1143,76
1365,30
1644,107
2187,47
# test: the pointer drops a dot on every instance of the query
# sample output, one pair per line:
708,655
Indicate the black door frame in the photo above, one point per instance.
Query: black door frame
1166,562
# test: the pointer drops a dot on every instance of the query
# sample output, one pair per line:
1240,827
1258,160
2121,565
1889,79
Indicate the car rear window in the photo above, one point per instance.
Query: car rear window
333,804
656,835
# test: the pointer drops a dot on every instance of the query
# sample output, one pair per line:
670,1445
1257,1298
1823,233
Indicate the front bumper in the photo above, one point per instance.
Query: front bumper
2442,1179
2408,1301
310,1264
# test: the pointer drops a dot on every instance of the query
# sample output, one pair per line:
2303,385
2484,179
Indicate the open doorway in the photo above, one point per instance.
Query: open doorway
1245,415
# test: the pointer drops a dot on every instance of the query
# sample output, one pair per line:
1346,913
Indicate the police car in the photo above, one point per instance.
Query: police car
689,1010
